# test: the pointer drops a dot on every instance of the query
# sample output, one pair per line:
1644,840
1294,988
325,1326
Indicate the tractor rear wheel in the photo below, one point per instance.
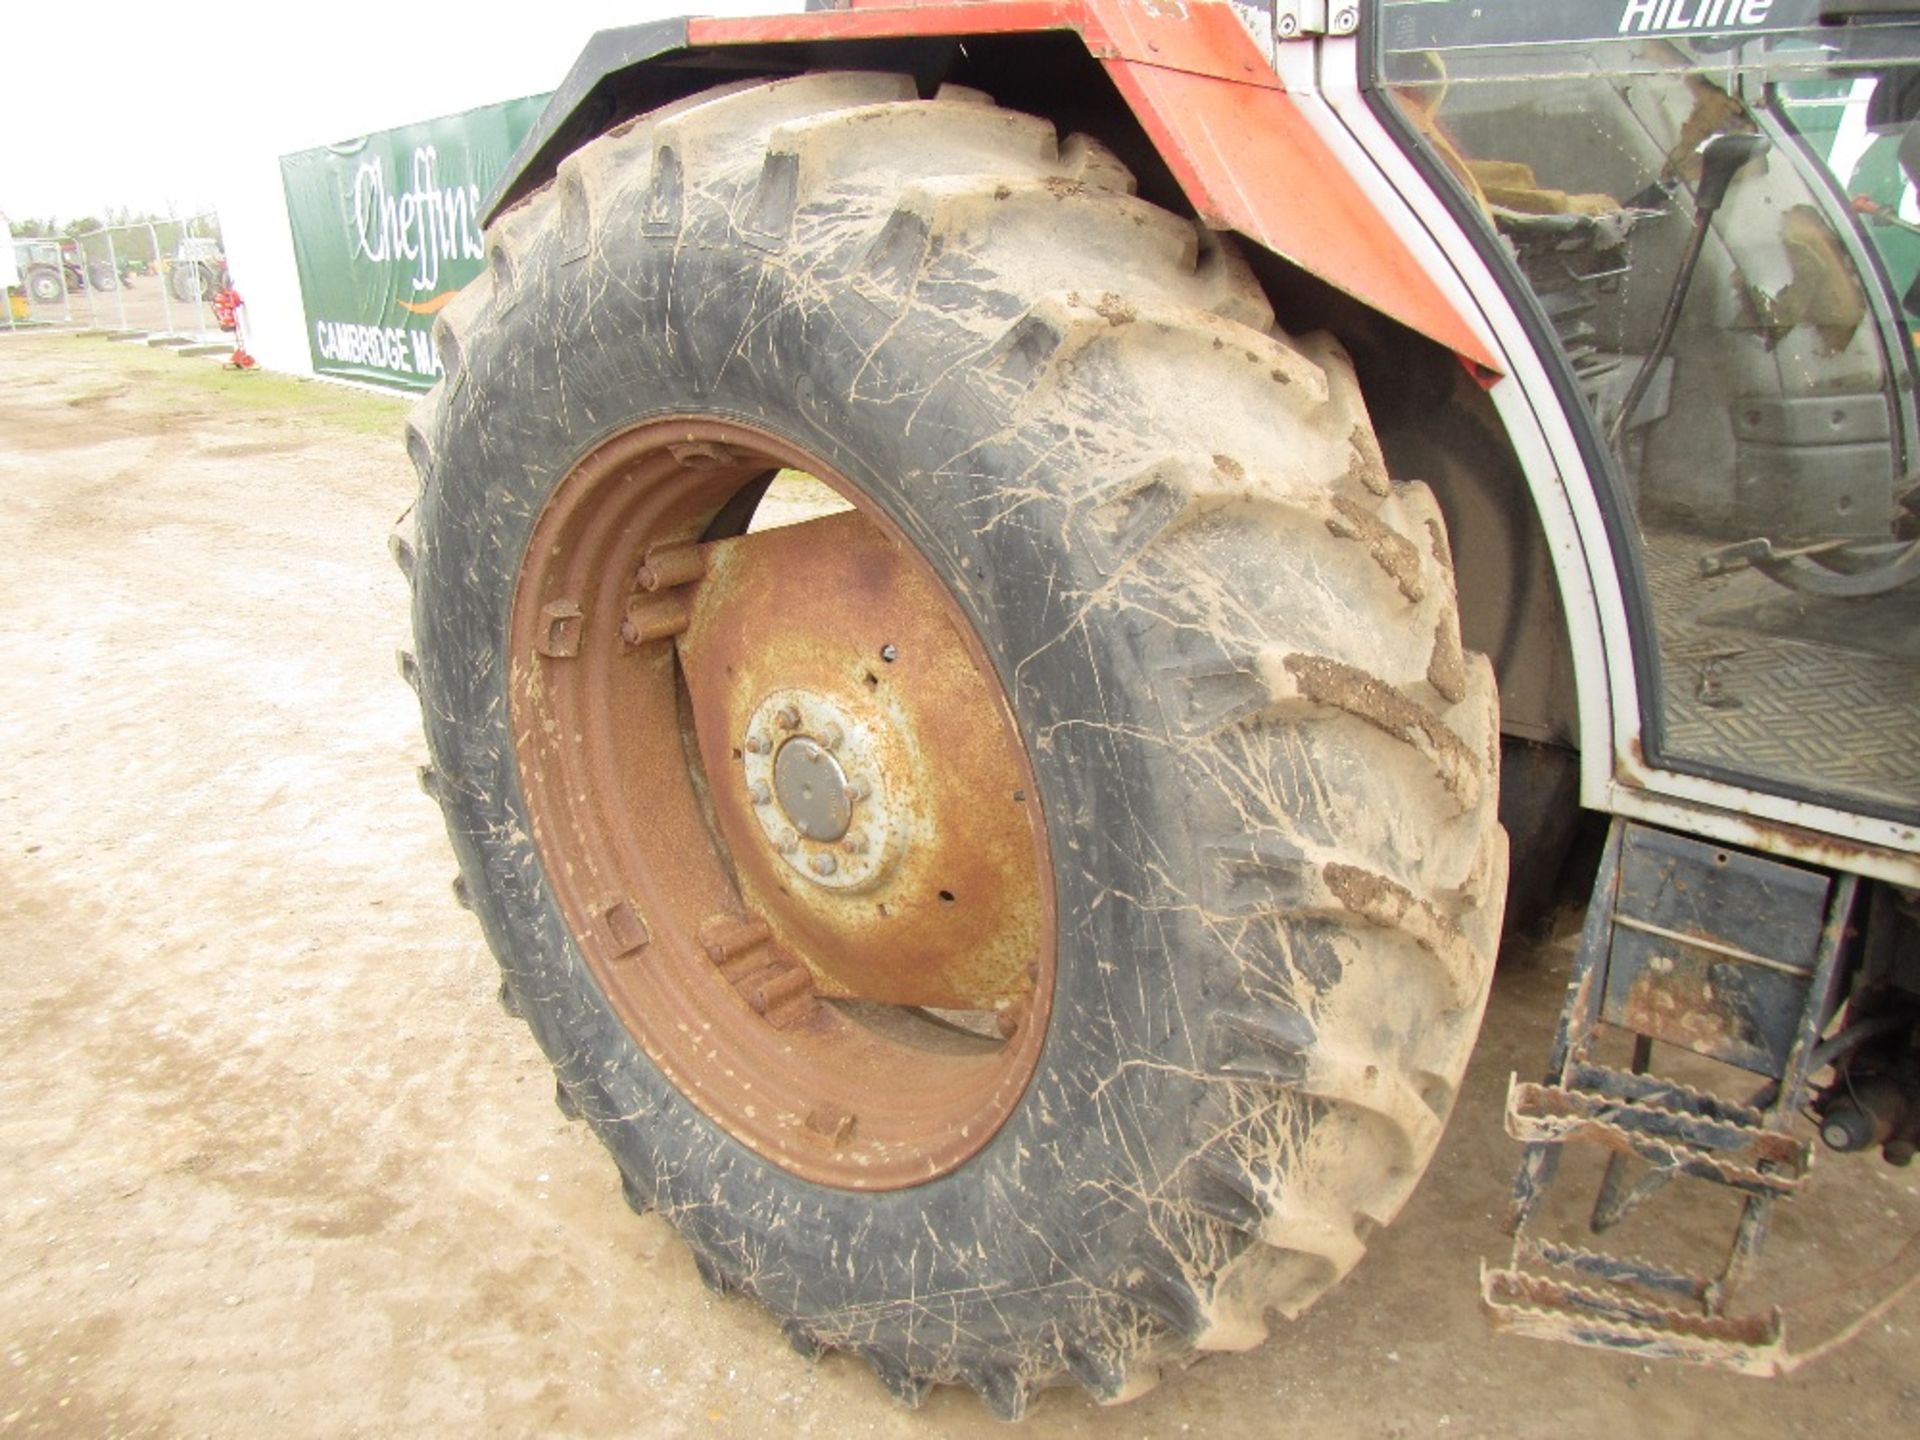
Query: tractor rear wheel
45,286
1029,922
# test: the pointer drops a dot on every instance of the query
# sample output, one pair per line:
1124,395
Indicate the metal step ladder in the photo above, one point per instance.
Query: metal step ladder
1716,951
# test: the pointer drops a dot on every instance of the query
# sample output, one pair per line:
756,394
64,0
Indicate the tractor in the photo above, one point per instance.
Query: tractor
1011,596
197,270
50,270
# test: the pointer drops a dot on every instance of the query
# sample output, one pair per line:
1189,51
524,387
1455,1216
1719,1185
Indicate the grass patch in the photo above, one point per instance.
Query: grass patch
162,380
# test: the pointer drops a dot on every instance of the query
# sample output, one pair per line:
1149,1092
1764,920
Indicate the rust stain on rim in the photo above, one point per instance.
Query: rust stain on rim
779,795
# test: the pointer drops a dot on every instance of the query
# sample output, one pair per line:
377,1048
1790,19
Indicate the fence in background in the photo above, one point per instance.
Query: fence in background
153,281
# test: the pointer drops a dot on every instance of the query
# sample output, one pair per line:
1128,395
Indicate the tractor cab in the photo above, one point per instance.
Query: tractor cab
1709,212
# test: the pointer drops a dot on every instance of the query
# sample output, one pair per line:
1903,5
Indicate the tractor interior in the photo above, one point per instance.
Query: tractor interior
1724,239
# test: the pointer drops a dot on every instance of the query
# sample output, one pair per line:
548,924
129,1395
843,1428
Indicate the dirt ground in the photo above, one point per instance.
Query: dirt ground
272,1161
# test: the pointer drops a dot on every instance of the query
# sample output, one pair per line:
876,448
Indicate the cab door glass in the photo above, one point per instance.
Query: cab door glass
1715,207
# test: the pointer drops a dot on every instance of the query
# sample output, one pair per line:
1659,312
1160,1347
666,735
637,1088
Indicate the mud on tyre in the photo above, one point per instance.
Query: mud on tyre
1212,638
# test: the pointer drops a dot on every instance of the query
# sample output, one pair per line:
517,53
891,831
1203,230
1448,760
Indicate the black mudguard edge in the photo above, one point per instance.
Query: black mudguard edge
583,106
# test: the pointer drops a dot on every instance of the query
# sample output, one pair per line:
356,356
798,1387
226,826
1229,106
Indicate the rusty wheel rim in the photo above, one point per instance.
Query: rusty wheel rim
782,803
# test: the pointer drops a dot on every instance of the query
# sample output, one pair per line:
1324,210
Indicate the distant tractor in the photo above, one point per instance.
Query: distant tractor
50,269
42,273
1297,487
197,271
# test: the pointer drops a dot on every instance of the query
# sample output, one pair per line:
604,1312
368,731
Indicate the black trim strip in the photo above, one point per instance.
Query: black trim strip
1475,25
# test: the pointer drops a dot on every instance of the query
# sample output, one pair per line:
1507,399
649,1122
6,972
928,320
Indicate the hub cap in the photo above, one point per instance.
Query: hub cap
812,789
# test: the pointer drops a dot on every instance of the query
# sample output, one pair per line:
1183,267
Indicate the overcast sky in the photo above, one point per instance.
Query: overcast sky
123,104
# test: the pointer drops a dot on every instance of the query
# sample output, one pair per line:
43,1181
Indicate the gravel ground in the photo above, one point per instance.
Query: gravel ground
273,1161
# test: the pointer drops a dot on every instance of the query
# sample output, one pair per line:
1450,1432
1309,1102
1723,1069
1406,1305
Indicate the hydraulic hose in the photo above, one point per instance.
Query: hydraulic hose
1720,156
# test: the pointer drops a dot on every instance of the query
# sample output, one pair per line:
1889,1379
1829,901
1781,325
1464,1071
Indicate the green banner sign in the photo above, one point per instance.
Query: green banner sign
386,230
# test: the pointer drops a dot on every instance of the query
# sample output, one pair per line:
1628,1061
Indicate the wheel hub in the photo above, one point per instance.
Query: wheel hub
773,773
925,892
814,770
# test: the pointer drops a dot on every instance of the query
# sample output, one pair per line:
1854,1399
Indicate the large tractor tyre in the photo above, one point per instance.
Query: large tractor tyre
1030,923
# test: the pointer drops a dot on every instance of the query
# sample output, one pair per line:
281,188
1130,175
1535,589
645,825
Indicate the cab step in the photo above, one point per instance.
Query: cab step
1702,948
1610,1302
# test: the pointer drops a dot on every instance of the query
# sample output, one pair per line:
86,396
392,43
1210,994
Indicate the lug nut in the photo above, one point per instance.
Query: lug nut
756,745
788,718
854,845
787,843
858,789
760,792
823,865
831,736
